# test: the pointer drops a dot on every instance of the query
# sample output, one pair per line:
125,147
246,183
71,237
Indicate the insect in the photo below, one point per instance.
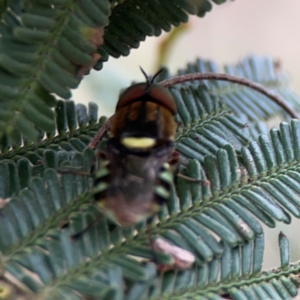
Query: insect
136,171
135,177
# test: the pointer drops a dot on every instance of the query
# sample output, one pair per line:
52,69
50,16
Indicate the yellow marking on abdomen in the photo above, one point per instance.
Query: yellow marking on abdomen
133,142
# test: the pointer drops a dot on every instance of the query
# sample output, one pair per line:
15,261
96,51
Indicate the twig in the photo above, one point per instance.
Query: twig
225,77
100,134
204,76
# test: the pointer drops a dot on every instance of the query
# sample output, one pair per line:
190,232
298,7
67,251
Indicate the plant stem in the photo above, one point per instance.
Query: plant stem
100,134
225,77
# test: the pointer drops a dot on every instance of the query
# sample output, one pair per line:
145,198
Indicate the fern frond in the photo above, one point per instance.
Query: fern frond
262,182
243,101
46,47
132,21
48,201
75,125
205,123
236,274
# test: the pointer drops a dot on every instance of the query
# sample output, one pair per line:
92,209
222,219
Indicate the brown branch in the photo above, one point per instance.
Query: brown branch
225,77
204,76
100,134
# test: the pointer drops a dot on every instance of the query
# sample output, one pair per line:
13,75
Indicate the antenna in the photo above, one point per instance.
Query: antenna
146,76
152,80
155,75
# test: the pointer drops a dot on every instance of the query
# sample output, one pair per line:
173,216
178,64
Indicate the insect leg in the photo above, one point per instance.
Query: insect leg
73,171
174,164
91,225
151,241
190,178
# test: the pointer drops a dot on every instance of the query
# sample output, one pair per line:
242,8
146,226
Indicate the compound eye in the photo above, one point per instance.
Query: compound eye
130,94
154,93
163,97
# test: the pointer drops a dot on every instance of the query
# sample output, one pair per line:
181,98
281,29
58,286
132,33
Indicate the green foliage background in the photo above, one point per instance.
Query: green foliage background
46,46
